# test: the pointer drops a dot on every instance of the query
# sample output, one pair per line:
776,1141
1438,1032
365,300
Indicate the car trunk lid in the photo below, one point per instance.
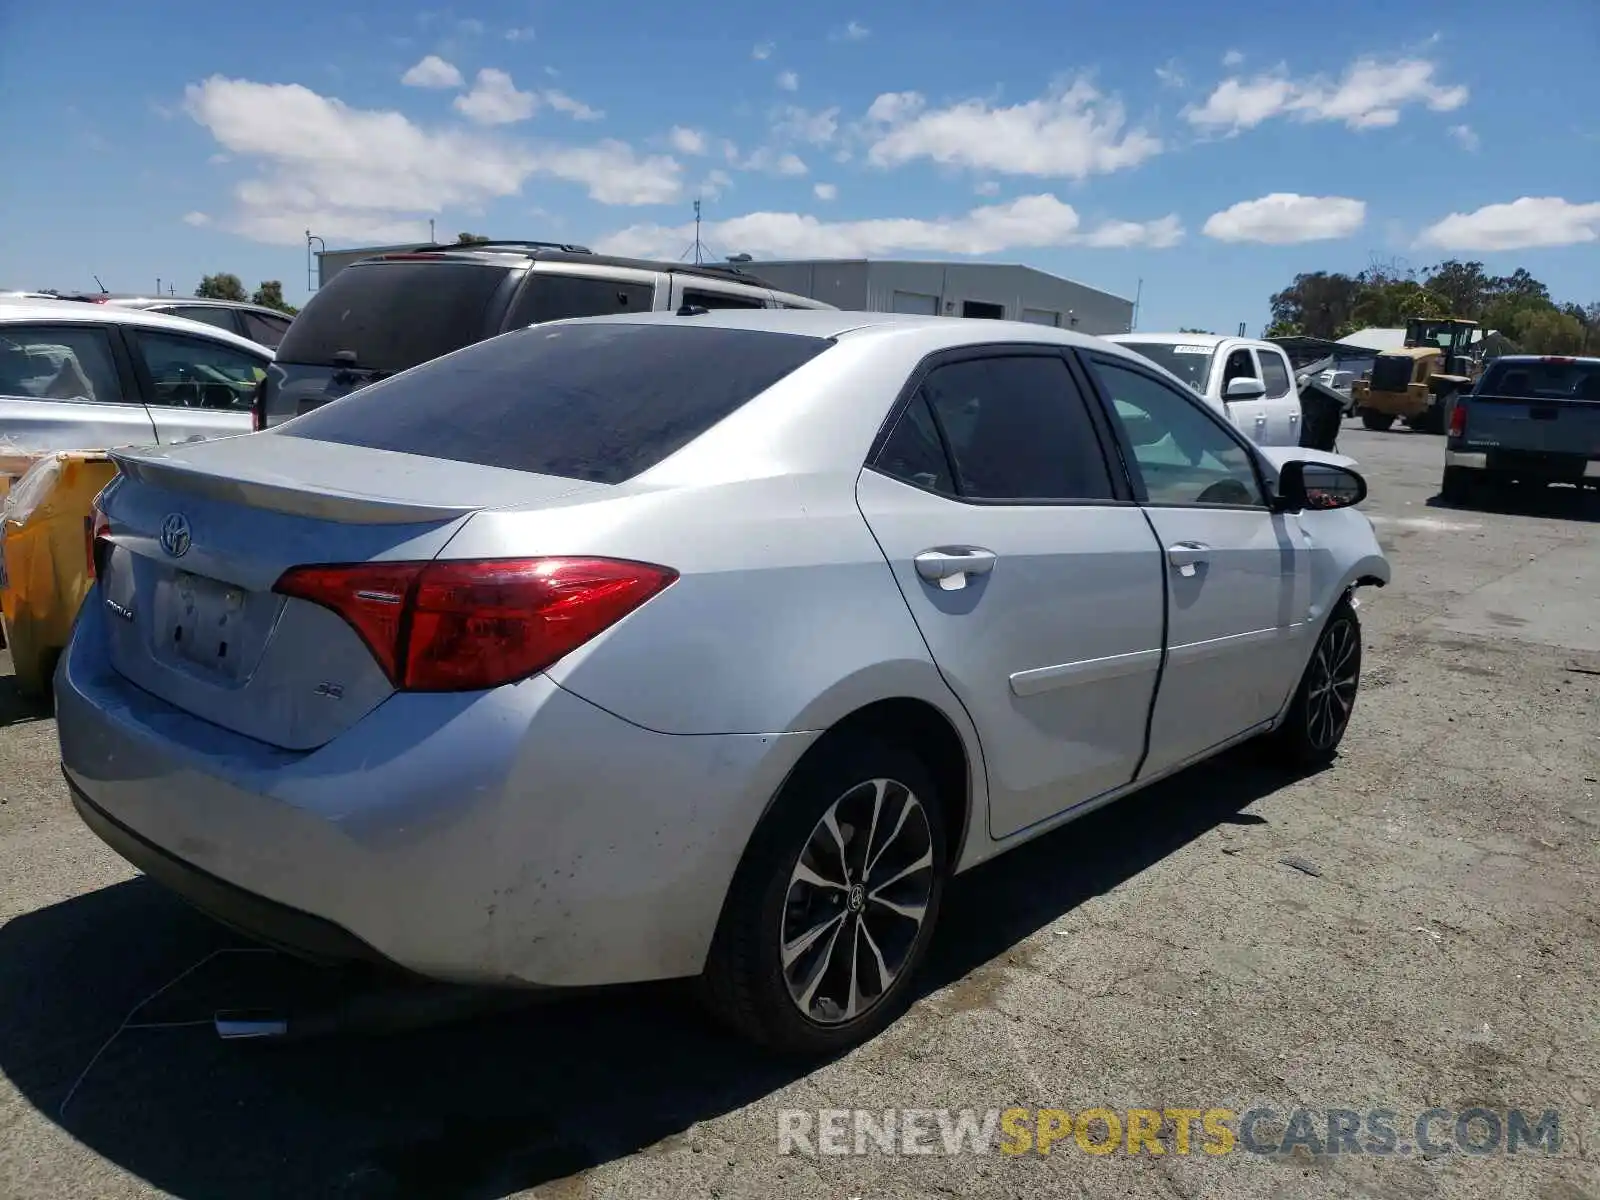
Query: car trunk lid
200,534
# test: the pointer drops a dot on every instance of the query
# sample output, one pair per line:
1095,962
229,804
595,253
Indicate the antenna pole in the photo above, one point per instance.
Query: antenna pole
1137,297
697,246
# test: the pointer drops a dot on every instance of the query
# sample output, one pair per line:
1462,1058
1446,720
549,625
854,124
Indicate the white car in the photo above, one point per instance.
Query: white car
1248,381
76,376
699,643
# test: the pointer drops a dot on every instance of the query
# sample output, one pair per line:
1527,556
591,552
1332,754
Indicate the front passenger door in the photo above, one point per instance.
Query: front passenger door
1281,401
1237,574
1249,417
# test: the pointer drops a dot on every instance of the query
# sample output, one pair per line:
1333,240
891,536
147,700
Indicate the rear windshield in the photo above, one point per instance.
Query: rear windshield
393,315
1543,380
1190,363
601,401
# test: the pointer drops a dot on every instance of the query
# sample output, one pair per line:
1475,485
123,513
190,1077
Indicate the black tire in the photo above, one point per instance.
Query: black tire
1457,486
1376,421
744,983
1305,740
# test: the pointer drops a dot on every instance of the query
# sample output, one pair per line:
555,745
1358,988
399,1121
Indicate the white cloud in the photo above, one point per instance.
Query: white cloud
1027,222
767,160
521,34
196,219
470,26
216,160
1529,222
762,50
715,183
432,72
988,187
1370,94
1284,219
576,109
855,31
1466,137
826,191
494,100
687,141
1170,74
1232,58
790,164
789,81
363,174
796,124
1073,133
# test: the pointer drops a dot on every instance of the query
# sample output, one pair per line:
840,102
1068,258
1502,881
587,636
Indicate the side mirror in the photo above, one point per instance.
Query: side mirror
1246,387
1318,486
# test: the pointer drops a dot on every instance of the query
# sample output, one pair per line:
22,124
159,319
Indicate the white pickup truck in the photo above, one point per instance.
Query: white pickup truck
1248,381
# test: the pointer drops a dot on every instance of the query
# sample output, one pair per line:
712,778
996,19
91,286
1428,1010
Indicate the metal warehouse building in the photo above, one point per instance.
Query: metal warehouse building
1000,291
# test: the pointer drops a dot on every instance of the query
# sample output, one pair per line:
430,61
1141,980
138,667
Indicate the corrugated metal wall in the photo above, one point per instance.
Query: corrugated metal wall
1021,294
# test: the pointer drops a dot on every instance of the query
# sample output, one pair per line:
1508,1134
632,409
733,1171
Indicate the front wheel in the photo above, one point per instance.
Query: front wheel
831,911
1376,421
1320,711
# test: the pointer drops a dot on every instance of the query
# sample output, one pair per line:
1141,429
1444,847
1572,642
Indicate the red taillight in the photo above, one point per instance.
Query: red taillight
97,527
465,626
1458,418
258,406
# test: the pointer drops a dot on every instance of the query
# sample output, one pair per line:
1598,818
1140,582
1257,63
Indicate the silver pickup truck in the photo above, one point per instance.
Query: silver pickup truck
1531,419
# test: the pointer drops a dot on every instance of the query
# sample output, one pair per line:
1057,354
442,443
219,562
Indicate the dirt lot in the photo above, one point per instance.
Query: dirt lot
1416,928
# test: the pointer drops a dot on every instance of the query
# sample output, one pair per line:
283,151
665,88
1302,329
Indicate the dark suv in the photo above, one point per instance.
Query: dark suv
382,315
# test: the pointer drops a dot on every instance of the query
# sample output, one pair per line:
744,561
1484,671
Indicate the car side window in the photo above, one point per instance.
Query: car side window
59,362
698,298
1239,366
194,373
547,296
268,331
222,318
1018,429
1184,455
913,452
1273,374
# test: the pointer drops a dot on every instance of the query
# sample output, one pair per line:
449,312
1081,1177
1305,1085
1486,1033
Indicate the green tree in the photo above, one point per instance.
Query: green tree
1317,304
470,239
1462,285
221,287
270,295
1549,331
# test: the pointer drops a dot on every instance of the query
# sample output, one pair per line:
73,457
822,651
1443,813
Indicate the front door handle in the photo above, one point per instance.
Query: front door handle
951,566
1187,555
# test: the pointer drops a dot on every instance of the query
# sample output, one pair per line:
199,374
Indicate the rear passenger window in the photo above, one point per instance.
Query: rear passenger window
913,453
1273,374
221,318
268,331
550,297
1017,429
695,298
61,362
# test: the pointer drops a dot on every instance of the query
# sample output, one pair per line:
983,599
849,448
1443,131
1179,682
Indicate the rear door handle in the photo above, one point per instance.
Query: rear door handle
1186,555
951,566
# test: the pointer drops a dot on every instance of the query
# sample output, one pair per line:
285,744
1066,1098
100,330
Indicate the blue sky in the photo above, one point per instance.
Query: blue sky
1211,156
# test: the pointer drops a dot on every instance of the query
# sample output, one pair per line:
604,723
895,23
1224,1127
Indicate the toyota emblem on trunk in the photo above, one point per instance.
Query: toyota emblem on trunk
175,535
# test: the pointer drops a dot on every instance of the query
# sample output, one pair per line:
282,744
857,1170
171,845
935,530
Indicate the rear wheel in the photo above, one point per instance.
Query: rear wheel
831,911
1457,485
1376,421
1320,712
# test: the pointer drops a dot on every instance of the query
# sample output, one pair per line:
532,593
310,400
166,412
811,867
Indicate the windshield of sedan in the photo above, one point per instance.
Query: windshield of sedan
1189,362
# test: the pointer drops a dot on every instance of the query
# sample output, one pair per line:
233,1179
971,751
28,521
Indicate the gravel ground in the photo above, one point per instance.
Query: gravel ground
1414,928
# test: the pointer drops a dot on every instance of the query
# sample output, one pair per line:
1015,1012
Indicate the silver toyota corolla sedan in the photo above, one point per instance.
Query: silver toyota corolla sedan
699,644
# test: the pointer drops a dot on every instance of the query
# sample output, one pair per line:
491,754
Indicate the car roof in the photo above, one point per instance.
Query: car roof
64,312
844,324
1533,358
1179,339
133,301
508,254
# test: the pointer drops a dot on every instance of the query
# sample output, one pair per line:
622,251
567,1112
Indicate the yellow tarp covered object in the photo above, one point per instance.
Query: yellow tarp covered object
45,564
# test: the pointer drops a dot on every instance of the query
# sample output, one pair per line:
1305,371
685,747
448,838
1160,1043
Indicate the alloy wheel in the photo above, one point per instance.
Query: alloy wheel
857,899
1335,672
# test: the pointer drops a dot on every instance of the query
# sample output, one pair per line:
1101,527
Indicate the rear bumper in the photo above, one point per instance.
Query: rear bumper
519,836
1525,463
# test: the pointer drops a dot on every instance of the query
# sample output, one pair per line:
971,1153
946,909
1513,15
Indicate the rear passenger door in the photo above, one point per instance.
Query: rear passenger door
557,296
703,293
196,388
1033,577
67,387
1282,402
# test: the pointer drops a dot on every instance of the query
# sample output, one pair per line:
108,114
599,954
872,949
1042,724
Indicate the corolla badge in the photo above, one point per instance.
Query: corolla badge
175,535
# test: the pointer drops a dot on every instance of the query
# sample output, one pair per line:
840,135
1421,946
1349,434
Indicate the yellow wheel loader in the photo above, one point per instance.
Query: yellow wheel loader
1415,384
